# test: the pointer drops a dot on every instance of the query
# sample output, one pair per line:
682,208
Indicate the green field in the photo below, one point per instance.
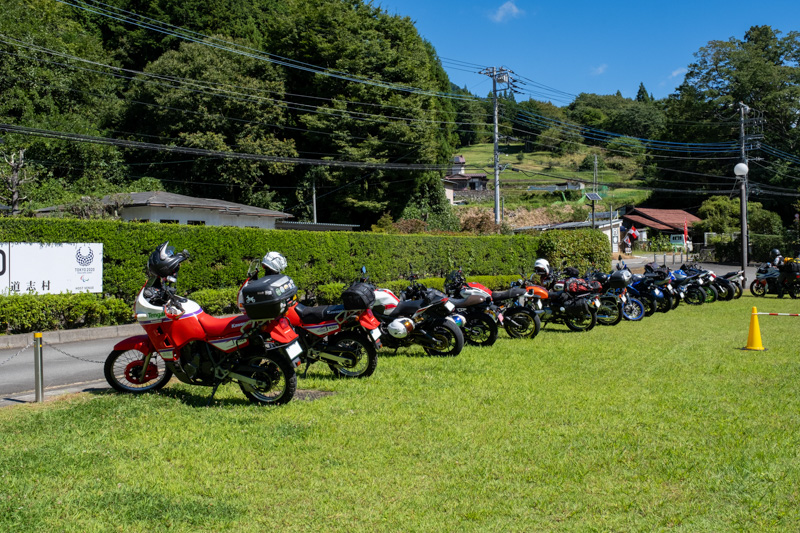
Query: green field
542,168
659,425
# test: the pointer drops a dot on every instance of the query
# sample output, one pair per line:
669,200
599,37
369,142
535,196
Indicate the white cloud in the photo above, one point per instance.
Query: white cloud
600,70
678,72
509,10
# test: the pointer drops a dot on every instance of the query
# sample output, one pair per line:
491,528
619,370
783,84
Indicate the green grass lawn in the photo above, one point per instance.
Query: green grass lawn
659,425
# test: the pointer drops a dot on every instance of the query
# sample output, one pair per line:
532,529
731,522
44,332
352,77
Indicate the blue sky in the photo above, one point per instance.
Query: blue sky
584,46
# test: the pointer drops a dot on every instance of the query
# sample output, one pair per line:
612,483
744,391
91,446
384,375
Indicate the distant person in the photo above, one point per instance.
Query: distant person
776,259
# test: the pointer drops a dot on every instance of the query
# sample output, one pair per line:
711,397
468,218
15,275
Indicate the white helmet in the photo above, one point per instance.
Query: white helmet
400,328
274,262
542,267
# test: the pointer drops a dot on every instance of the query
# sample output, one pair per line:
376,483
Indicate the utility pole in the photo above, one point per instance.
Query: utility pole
594,188
502,75
741,170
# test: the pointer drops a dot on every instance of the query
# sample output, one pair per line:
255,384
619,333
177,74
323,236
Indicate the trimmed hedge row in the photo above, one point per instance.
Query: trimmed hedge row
25,313
221,255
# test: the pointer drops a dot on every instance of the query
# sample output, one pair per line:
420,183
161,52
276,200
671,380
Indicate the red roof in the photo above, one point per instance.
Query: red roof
665,218
645,223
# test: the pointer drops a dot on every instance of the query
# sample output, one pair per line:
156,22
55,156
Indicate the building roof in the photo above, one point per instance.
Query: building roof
461,177
168,199
666,218
570,225
314,226
642,222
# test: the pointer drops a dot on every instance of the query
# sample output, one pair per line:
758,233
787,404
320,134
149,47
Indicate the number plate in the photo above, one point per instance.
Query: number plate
449,306
375,334
294,349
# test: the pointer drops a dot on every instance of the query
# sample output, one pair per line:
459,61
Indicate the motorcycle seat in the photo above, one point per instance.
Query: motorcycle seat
318,313
217,327
514,292
469,301
406,307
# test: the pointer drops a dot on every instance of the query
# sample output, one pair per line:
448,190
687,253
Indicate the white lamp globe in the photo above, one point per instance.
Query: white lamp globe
741,169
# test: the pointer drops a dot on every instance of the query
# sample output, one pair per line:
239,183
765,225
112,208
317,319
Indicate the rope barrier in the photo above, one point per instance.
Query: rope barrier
779,314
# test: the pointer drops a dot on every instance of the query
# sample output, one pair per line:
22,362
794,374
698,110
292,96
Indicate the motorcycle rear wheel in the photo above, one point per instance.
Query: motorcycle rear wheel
665,304
278,381
649,304
582,323
737,291
609,313
711,294
122,370
449,339
695,296
521,323
757,289
480,330
725,291
363,351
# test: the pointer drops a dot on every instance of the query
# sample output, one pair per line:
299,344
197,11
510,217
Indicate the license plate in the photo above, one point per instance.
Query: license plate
623,298
294,349
449,306
375,334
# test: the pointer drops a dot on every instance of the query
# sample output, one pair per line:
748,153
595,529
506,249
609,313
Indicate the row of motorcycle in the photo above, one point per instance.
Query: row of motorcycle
264,348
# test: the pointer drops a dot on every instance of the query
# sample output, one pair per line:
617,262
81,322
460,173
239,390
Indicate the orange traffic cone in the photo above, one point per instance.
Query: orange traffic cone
754,337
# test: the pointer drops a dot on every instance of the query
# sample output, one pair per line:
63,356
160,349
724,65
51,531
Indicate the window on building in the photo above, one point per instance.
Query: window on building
166,221
196,222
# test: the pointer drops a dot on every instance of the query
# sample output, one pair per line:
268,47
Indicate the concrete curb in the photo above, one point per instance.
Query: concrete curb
12,342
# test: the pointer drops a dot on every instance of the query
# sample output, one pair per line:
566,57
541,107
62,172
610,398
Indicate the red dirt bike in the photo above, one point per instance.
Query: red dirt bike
345,336
258,350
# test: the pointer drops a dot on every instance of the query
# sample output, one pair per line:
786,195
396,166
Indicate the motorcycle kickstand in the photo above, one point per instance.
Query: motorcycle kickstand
308,364
217,383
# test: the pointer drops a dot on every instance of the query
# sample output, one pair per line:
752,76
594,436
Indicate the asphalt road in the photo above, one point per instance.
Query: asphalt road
67,367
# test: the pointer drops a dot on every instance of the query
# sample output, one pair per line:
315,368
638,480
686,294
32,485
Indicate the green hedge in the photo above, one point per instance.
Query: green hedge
25,313
221,255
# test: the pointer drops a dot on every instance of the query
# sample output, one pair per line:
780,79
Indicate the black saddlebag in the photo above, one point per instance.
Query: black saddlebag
577,308
268,296
358,296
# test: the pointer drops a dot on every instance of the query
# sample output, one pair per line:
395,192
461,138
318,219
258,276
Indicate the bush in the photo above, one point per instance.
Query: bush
25,313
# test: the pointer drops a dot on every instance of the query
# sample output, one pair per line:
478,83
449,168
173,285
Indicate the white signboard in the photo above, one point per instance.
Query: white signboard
35,268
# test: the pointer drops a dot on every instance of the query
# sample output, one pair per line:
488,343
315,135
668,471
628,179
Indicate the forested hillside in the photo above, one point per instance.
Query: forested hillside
261,102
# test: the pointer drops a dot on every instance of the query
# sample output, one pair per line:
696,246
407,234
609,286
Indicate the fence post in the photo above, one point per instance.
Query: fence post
37,367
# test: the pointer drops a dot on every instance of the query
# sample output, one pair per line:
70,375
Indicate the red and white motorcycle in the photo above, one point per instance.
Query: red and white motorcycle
258,350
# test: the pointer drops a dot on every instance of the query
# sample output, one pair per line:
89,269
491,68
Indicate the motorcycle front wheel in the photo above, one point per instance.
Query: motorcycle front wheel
737,291
480,330
448,338
712,295
521,323
609,313
633,309
361,349
582,323
757,289
275,376
649,304
123,371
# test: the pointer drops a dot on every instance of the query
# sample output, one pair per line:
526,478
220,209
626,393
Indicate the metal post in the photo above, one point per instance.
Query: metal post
496,151
37,367
314,197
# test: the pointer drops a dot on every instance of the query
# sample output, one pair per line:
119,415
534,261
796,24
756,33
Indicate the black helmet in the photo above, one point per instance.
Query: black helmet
164,261
774,253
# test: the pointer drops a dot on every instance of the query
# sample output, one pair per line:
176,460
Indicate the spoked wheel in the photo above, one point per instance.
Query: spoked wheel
276,381
480,330
449,339
521,323
664,304
695,296
633,309
584,322
361,349
609,313
123,371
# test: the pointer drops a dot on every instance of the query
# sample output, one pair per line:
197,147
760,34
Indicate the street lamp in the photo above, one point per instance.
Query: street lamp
741,170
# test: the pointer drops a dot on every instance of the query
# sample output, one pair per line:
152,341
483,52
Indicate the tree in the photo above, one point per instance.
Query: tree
13,179
642,96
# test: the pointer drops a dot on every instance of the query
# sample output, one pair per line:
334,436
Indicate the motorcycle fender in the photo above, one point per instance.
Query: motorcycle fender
368,320
139,343
280,330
